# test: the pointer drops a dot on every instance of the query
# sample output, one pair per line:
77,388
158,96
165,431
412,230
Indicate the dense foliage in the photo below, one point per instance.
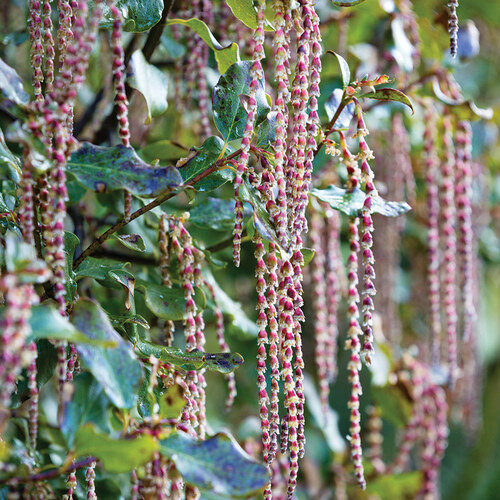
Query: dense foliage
186,187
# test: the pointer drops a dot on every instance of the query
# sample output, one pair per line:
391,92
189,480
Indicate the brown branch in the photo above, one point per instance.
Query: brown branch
146,208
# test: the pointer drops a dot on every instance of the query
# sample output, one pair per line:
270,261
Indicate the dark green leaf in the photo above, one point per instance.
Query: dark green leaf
132,242
229,114
115,455
214,213
10,165
98,268
88,404
351,202
331,106
150,82
199,159
218,464
225,56
12,94
389,94
266,131
138,15
224,362
117,369
168,302
136,319
346,3
104,169
344,68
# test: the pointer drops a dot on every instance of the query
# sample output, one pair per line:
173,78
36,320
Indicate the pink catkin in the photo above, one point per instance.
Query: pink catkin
35,29
453,26
49,46
450,247
257,74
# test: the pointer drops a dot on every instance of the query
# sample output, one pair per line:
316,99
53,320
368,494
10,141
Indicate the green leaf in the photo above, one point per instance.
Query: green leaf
224,362
115,455
346,3
131,241
266,131
404,485
244,10
214,213
332,104
117,370
104,169
71,241
389,94
10,165
164,150
217,464
88,404
239,323
138,15
351,202
13,98
47,323
307,254
394,404
344,68
199,159
169,401
168,302
225,56
229,114
120,321
98,269
150,82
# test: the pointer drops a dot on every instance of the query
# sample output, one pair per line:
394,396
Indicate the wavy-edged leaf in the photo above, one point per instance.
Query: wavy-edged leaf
98,269
217,464
199,159
351,202
168,302
225,56
229,114
115,455
13,97
131,241
138,15
103,169
389,94
151,82
117,370
224,362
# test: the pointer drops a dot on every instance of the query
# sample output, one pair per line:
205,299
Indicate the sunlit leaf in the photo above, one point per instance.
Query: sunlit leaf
104,169
115,455
402,486
244,10
351,202
344,68
116,369
150,81
229,114
138,15
346,3
225,56
389,94
331,106
218,465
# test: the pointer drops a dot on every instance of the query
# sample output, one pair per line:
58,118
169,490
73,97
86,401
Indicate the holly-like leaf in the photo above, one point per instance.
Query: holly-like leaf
115,455
331,106
389,94
138,15
199,159
88,404
150,81
117,369
346,3
132,242
104,169
351,202
10,165
168,302
13,98
224,362
215,213
229,114
217,464
225,56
